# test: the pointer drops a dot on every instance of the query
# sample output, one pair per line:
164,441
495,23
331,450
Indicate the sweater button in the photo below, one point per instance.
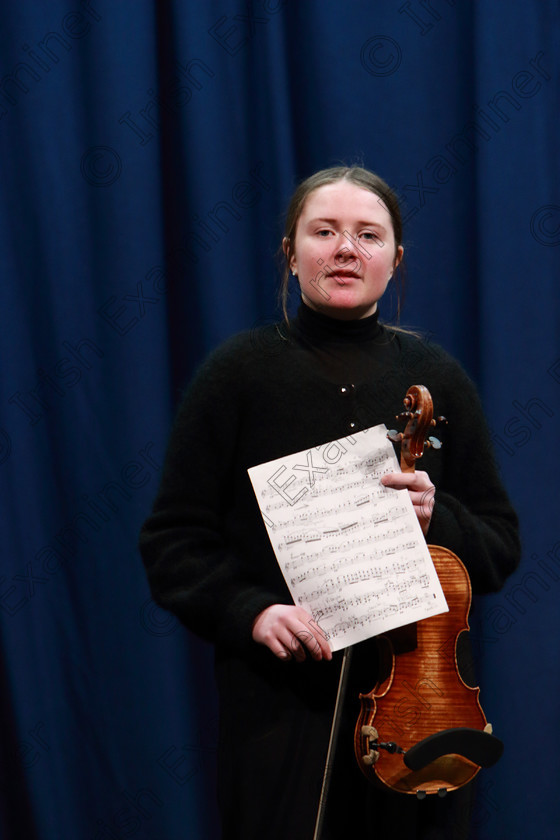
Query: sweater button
352,426
346,390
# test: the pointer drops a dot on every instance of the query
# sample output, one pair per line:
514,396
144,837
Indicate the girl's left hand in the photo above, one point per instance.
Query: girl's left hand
421,491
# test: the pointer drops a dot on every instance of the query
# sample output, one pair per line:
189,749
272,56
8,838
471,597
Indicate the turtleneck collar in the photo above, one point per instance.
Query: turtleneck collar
322,328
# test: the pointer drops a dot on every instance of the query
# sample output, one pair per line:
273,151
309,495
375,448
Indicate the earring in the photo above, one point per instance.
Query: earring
294,272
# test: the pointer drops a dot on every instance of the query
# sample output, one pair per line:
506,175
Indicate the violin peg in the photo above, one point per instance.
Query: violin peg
404,415
433,443
441,421
395,436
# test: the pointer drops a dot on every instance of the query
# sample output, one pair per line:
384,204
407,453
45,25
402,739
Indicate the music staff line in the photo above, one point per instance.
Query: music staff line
343,605
397,568
373,493
373,574
317,516
367,618
304,558
308,537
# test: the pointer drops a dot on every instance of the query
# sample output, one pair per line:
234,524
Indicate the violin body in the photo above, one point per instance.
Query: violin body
420,692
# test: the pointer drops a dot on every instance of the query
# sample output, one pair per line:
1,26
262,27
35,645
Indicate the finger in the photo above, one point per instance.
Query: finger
322,640
285,648
418,481
315,644
389,477
282,646
314,638
295,633
423,498
296,639
398,480
304,641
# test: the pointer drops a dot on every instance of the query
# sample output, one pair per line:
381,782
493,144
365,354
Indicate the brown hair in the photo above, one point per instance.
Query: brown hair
356,175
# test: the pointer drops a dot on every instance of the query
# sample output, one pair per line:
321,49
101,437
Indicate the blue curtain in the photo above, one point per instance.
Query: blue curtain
147,151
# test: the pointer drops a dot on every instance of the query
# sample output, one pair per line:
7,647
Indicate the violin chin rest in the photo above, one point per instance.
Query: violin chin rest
477,746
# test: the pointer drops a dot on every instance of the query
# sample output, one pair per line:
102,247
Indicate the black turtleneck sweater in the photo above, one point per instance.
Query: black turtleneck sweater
277,390
262,395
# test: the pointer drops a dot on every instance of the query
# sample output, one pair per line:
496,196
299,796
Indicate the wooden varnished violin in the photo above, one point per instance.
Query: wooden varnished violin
421,729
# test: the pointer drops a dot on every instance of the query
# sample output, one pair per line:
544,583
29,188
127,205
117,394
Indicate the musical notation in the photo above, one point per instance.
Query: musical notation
351,550
363,505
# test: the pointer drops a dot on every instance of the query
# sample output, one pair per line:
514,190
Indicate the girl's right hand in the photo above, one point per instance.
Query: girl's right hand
290,631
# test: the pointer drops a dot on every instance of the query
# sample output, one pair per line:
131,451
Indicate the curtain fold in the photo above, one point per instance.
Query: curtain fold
148,150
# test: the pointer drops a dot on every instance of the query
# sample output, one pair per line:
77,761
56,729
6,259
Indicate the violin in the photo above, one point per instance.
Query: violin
421,729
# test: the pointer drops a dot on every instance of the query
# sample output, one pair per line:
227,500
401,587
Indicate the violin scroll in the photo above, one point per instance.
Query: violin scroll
419,416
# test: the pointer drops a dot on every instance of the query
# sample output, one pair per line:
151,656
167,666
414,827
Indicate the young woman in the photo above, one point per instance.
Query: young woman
331,371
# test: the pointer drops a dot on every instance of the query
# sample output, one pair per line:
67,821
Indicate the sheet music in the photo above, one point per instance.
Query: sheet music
351,550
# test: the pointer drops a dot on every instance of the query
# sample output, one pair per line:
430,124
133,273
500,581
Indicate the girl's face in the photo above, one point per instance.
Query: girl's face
344,252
